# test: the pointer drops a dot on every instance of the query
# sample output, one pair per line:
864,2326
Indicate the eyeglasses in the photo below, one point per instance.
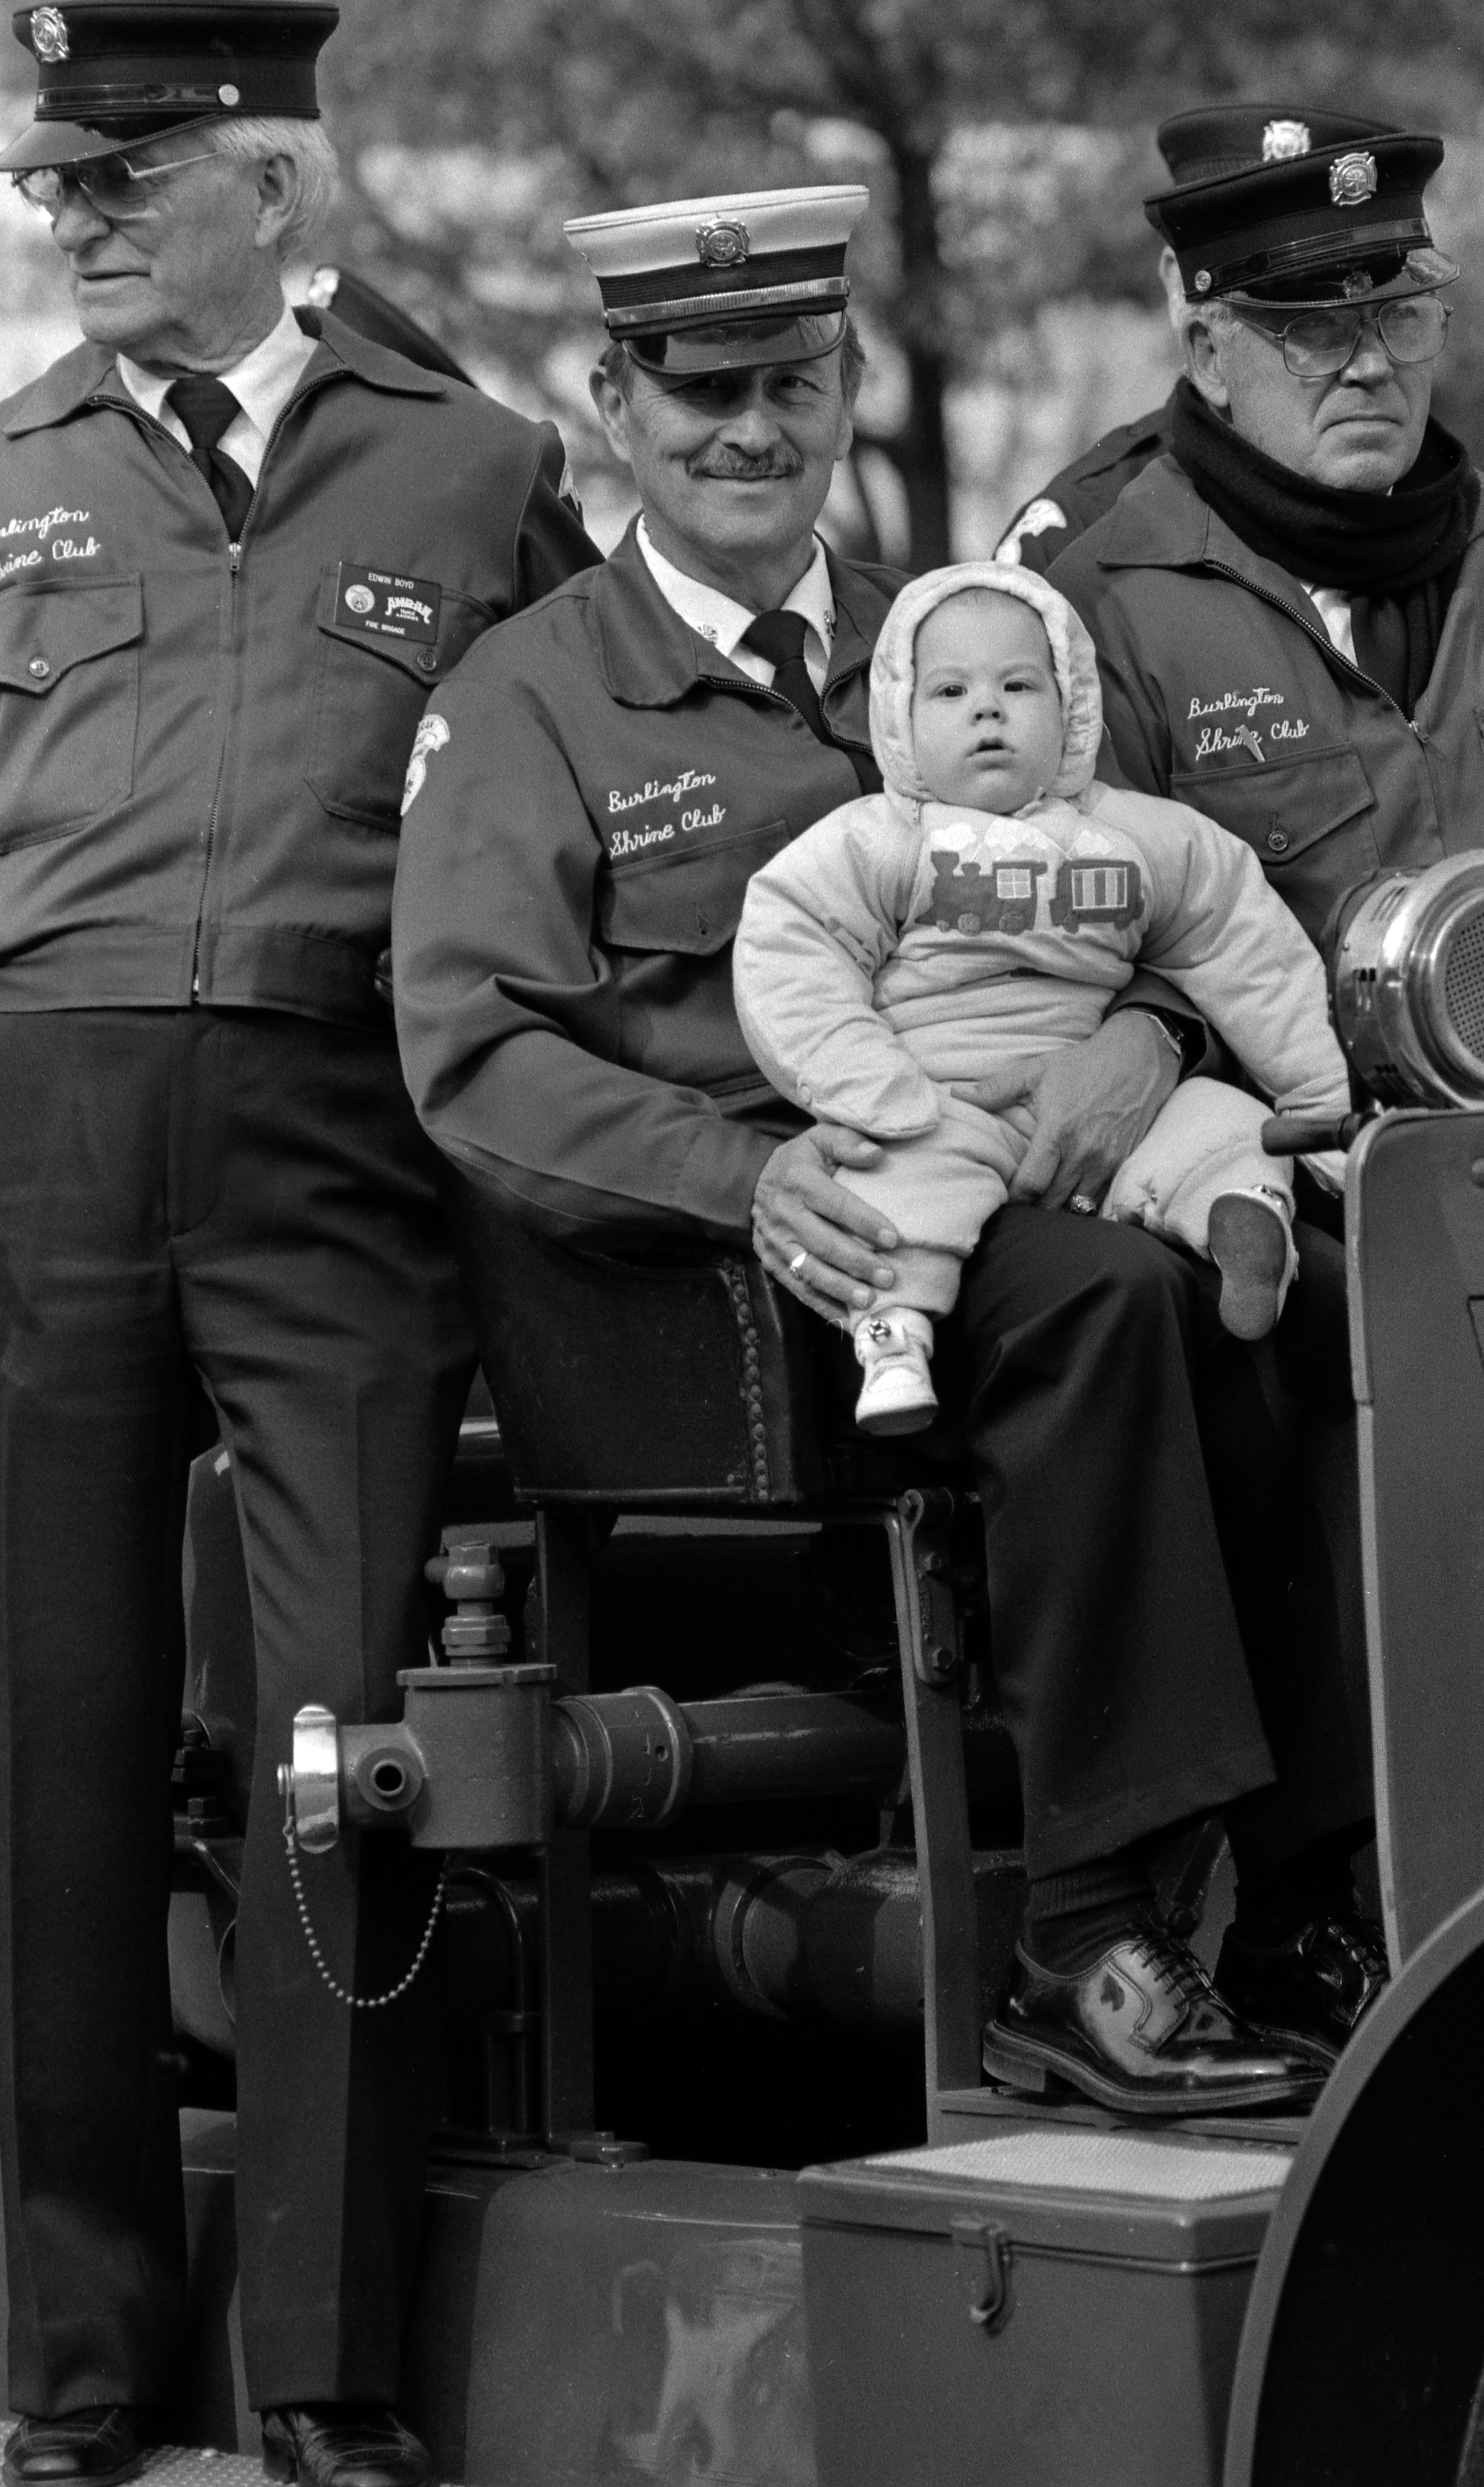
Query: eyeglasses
1320,343
110,184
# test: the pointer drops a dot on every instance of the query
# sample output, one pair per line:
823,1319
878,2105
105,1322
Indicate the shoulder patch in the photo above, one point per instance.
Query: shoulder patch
1035,519
431,735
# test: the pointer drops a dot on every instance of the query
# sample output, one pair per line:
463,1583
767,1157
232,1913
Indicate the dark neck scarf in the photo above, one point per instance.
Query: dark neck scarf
1396,555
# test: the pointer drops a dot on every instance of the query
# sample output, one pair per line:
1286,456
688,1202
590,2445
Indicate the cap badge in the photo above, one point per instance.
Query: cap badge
48,34
1353,179
1284,140
725,242
1355,282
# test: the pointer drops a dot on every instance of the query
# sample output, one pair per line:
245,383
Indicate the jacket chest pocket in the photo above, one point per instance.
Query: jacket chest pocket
368,695
68,705
688,902
1310,822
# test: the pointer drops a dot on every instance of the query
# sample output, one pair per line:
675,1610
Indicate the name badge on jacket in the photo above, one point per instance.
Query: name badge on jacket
385,606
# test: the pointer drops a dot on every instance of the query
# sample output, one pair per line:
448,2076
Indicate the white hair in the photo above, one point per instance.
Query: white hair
310,150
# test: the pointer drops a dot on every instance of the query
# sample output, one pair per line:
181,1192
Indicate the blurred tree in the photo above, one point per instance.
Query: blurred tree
1007,144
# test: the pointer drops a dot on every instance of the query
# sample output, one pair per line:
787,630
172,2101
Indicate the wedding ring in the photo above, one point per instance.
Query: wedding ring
797,1264
1081,1205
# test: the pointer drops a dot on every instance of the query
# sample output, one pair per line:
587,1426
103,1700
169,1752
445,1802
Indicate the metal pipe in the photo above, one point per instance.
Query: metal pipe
787,1936
485,1758
754,1745
630,1760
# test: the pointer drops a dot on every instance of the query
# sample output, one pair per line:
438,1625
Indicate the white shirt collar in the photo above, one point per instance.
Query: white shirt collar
1332,604
721,621
261,383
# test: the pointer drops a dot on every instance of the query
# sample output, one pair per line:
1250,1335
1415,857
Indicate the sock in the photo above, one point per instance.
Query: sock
1276,1902
1073,1918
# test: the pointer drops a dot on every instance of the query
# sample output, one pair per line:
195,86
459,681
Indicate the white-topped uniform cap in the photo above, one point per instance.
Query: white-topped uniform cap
691,286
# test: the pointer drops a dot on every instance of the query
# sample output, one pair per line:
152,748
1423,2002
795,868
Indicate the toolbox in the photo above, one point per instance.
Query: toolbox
1051,2306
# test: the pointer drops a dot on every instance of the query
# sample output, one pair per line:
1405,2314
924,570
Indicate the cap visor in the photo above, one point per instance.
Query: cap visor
68,142
1424,272
740,345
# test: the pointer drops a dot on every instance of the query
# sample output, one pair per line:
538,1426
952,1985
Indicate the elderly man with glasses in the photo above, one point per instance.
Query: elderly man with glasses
1287,606
1289,614
1202,145
238,546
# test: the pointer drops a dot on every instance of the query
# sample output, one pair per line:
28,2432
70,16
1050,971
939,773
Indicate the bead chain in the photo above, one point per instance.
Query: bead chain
342,1995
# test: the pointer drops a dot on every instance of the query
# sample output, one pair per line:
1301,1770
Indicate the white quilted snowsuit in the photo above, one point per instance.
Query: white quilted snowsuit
901,944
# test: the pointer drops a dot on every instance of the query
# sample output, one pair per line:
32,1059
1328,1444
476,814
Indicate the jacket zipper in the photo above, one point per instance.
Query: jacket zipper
294,398
151,423
1321,639
764,690
234,565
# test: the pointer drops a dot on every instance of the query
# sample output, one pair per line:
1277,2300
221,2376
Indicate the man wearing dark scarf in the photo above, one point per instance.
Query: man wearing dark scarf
1396,556
1196,146
1288,607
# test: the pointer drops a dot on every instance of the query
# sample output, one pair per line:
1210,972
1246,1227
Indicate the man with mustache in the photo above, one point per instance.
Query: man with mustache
603,777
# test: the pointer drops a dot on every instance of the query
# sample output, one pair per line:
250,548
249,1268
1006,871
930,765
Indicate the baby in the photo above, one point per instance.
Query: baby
988,904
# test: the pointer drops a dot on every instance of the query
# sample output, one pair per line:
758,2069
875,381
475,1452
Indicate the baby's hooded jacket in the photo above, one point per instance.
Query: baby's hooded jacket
901,941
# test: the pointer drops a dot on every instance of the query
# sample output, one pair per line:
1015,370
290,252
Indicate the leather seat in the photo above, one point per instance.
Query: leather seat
697,1386
695,1382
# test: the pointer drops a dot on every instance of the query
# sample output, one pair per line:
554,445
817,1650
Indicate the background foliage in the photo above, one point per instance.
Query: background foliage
1004,277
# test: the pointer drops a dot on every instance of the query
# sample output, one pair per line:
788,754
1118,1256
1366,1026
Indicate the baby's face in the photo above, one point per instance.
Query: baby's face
986,711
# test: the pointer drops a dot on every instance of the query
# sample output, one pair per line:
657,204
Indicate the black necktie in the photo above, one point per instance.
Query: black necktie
780,638
207,407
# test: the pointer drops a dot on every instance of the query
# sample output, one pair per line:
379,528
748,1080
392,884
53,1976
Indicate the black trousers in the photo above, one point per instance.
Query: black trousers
1165,1619
247,1195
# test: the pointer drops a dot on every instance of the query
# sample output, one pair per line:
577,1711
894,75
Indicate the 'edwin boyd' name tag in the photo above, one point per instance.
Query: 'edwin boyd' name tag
387,607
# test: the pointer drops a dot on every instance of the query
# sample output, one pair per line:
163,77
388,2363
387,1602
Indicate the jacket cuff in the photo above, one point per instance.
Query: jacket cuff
1201,1050
721,1173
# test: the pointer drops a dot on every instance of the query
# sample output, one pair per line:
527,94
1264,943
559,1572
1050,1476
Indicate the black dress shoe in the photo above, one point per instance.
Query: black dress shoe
1313,1990
95,2447
342,2443
1142,2030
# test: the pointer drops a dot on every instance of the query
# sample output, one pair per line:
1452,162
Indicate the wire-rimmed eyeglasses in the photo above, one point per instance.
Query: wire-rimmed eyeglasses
110,184
1317,344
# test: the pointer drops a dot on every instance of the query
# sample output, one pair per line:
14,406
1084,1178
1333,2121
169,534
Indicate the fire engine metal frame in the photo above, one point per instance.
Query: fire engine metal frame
930,1637
1415,1205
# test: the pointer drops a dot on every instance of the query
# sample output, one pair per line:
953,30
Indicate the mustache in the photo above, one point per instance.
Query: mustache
734,466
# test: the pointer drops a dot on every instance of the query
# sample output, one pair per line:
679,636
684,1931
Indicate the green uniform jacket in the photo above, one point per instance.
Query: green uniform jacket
1221,688
203,746
1074,500
596,787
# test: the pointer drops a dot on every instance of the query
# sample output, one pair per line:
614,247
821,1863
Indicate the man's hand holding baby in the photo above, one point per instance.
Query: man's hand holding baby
800,1209
1092,1105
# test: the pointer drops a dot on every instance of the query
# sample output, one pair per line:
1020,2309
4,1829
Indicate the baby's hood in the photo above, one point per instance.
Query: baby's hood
892,673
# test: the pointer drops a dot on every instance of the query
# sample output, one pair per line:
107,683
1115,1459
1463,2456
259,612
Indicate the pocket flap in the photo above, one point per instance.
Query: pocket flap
1281,807
47,629
688,902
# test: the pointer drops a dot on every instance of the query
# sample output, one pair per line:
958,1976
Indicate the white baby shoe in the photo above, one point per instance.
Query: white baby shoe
1252,1242
897,1395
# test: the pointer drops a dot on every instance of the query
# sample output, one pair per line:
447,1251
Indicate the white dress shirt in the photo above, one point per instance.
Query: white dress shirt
263,384
721,621
1333,606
